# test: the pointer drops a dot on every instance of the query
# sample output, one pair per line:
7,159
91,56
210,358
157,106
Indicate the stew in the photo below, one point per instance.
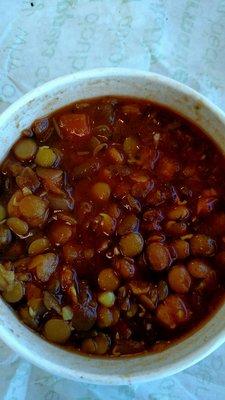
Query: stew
112,226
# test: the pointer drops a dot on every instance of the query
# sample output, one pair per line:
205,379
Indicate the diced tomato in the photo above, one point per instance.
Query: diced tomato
33,291
74,126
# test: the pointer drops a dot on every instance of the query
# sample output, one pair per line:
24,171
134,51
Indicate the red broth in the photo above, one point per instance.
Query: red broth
112,232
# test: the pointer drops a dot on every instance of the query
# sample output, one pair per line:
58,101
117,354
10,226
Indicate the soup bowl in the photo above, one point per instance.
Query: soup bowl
48,98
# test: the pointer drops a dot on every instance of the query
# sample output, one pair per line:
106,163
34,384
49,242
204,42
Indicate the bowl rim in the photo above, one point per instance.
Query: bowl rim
9,337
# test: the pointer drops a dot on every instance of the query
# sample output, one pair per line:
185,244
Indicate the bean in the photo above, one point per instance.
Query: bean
13,204
45,157
60,233
159,237
18,226
108,280
101,191
25,149
202,245
45,265
57,330
36,307
105,222
67,313
27,180
27,319
114,211
89,346
174,228
2,213
5,236
198,268
6,278
34,210
115,314
60,203
150,300
85,169
105,317
131,244
107,299
115,155
139,287
179,279
50,302
14,293
42,129
52,179
128,224
178,213
102,342
207,285
172,312
163,290
181,248
158,256
130,146
132,109
125,268
38,246
71,252
97,345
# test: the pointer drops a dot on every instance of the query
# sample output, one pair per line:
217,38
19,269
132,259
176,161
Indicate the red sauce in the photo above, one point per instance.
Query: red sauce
112,232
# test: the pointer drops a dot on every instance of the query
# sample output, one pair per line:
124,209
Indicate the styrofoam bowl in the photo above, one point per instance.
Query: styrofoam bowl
48,98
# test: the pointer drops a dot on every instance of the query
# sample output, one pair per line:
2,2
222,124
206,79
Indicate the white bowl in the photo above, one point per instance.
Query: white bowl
48,98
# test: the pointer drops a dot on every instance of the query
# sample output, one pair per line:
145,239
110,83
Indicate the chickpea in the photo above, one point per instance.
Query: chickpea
131,244
60,233
5,236
25,149
178,213
57,330
202,245
18,226
158,256
108,280
34,210
172,312
128,224
101,191
45,157
105,317
181,248
198,268
179,279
